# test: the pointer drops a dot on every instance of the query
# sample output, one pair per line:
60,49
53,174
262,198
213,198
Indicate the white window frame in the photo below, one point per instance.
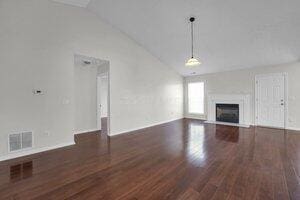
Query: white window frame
204,97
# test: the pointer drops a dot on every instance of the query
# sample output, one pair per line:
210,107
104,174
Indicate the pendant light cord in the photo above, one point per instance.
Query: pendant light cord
192,34
192,62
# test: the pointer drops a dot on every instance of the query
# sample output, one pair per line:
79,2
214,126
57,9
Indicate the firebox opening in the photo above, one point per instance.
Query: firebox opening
227,113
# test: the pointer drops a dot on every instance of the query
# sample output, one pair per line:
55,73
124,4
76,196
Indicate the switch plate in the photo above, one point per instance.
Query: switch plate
38,92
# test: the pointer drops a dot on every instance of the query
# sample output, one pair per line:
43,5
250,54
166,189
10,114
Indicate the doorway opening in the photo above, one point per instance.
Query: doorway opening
102,101
92,95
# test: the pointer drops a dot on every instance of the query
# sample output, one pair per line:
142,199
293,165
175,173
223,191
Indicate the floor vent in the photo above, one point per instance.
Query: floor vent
19,141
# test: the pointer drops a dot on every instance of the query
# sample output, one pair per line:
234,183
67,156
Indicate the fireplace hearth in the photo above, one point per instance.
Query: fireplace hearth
227,113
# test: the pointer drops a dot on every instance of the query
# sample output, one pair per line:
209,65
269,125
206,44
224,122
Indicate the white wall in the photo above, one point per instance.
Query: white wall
243,82
38,41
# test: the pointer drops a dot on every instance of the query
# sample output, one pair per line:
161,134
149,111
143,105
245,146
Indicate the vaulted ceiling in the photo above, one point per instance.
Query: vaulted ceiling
229,35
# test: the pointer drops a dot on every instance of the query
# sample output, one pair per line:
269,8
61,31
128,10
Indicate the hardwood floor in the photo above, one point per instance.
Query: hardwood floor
185,159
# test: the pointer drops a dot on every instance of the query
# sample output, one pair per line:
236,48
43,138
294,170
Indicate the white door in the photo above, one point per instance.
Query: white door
270,100
99,103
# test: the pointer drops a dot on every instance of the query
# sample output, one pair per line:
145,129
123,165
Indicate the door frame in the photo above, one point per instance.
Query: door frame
99,126
286,102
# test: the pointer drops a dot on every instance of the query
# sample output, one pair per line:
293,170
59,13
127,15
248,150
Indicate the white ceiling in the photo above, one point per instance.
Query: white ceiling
229,35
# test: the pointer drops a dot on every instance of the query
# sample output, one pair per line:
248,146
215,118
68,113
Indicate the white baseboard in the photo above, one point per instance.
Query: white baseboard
34,151
228,124
195,117
293,128
148,126
286,128
86,131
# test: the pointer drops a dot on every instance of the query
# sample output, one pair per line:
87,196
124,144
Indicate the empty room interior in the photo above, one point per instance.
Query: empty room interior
150,99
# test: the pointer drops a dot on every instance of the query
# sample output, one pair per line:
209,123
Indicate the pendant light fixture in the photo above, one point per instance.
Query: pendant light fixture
192,62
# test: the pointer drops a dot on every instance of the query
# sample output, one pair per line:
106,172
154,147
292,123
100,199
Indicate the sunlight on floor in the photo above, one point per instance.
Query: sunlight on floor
196,150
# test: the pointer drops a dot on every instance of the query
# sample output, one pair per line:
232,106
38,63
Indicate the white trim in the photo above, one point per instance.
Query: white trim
148,126
86,131
228,124
108,101
293,128
34,151
196,117
99,103
286,101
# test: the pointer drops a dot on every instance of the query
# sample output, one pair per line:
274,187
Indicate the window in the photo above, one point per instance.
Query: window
196,98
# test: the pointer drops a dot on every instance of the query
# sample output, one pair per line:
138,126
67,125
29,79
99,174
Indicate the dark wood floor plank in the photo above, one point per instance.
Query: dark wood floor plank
189,194
184,159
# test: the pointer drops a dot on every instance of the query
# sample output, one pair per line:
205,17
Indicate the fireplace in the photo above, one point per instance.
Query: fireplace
240,102
227,113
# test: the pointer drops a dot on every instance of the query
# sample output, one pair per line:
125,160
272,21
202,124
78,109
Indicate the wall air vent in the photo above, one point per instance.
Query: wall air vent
20,141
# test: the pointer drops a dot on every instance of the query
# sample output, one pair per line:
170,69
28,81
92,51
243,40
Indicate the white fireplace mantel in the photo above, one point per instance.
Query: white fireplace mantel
243,100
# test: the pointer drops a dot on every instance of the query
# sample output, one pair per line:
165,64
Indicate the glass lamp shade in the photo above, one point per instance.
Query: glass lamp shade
192,62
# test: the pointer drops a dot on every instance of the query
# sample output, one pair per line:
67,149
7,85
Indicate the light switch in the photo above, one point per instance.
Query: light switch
37,92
